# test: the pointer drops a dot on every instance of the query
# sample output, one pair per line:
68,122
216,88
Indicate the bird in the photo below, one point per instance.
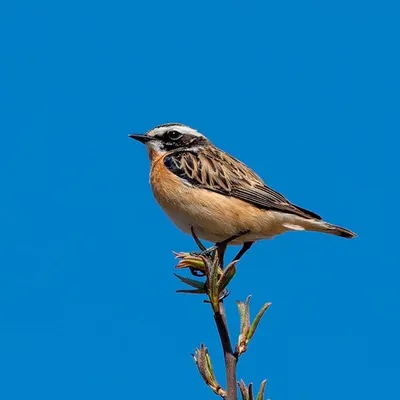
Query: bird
209,193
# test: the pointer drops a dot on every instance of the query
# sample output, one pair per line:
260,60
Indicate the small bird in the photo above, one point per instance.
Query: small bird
207,191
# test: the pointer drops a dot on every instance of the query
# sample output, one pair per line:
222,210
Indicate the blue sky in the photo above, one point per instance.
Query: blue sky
307,93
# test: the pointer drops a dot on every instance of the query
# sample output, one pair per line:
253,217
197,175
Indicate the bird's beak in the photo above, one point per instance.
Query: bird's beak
140,138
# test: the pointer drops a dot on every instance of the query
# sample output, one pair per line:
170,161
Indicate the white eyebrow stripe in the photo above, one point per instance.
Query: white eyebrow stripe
184,129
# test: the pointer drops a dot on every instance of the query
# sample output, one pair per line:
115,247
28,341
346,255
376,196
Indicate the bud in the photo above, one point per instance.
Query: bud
246,330
247,391
188,260
203,362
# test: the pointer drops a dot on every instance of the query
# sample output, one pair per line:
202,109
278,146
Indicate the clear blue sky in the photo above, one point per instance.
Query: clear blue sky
307,93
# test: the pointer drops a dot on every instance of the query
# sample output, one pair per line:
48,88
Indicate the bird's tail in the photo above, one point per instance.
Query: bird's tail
299,224
325,227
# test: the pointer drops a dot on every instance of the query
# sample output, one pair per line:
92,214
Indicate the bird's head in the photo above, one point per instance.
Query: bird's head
169,137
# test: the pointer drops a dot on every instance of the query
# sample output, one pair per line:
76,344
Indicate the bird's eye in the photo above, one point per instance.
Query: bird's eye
174,135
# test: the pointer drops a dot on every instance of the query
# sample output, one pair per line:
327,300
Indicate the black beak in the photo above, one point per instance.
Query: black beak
140,138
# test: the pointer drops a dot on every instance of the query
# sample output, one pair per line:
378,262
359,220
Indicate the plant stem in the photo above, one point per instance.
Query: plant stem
229,356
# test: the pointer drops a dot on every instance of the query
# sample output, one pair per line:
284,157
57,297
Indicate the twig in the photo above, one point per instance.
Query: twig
209,263
229,356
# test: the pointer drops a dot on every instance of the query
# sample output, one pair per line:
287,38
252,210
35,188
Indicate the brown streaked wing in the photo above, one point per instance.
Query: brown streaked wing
219,172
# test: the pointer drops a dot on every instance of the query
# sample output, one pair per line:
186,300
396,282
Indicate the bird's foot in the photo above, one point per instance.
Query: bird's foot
209,252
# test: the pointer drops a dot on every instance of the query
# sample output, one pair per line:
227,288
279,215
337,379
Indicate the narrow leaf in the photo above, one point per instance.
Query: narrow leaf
260,395
257,320
227,276
244,391
250,391
200,360
247,302
203,363
244,313
213,285
190,261
180,254
209,365
194,291
191,282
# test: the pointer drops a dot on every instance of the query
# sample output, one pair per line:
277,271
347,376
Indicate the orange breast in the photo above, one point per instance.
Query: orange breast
214,217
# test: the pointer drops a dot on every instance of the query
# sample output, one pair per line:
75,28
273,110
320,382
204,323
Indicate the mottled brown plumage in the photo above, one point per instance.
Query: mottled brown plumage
200,186
212,169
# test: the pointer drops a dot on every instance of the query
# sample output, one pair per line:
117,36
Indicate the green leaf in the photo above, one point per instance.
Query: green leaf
188,291
227,276
188,260
213,284
260,395
209,365
257,320
244,314
191,282
203,363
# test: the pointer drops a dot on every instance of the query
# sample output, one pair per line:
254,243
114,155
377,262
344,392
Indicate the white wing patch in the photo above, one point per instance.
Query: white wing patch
293,227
